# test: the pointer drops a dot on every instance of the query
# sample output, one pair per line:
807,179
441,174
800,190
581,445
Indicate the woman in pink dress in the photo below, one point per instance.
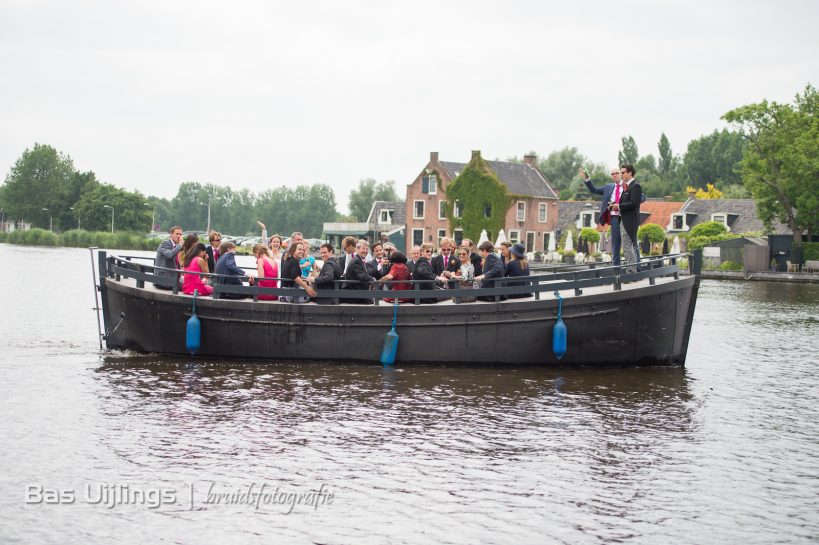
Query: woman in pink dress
196,262
266,267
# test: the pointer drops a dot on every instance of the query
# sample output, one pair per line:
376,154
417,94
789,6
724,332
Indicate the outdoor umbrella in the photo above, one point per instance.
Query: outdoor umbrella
675,246
483,238
665,246
569,246
552,242
501,237
645,247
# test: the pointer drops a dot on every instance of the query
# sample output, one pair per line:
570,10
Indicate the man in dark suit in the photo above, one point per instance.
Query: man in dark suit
166,257
378,266
445,263
357,272
629,209
227,272
330,272
493,268
215,240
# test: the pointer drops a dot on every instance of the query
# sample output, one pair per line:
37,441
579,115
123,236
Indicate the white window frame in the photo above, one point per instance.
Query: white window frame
723,219
458,209
587,214
433,185
514,236
385,212
455,238
544,208
441,202
671,228
441,234
534,241
518,216
412,240
415,215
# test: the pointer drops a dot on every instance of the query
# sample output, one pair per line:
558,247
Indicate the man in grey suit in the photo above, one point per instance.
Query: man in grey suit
166,257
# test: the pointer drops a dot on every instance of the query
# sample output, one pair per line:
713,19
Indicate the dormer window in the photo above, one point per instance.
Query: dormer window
721,218
587,218
385,217
677,223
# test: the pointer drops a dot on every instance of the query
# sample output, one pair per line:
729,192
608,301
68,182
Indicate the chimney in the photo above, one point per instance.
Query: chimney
691,193
530,160
433,157
476,154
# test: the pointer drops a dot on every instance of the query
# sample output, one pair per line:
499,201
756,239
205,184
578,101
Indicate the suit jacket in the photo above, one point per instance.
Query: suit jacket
493,269
438,264
375,270
606,191
330,272
166,257
357,271
423,271
630,209
411,266
211,261
227,266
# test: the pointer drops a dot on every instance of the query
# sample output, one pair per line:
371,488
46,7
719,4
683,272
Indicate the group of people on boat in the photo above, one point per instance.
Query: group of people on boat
360,266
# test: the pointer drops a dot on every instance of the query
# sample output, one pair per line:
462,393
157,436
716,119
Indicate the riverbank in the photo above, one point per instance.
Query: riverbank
800,277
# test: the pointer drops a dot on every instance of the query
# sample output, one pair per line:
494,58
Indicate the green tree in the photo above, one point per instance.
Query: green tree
629,155
362,198
40,179
714,158
130,212
654,232
708,229
560,168
780,164
665,167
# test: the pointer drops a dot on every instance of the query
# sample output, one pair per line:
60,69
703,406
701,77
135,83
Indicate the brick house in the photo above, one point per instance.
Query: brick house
532,215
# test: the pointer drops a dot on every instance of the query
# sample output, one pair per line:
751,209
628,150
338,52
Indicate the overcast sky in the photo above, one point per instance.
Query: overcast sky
258,94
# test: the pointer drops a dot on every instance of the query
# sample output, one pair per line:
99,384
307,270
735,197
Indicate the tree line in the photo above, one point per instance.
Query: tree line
772,155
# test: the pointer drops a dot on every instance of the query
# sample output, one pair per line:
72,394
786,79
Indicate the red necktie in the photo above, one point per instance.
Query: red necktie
446,261
617,194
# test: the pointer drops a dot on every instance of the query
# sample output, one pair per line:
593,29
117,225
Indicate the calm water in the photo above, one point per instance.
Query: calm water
723,451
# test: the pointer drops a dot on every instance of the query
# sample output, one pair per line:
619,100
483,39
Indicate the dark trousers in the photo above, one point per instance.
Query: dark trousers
616,242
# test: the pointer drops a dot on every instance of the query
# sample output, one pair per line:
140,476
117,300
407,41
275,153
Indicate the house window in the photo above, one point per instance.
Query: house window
521,211
441,210
441,234
541,212
545,241
429,184
514,236
385,217
487,210
458,210
587,219
677,222
417,237
530,241
721,218
458,234
418,210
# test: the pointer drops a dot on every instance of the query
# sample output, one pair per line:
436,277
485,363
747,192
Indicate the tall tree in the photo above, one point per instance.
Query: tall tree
38,181
781,162
129,210
666,163
560,168
629,155
362,198
714,158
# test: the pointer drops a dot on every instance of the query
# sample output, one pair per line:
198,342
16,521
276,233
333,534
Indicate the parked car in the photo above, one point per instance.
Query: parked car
252,241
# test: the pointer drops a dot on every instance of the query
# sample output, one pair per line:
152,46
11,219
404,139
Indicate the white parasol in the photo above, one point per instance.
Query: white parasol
483,238
569,245
501,237
552,242
675,246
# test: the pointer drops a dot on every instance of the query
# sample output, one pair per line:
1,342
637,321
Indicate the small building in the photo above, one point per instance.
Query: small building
738,215
384,223
733,250
9,225
531,215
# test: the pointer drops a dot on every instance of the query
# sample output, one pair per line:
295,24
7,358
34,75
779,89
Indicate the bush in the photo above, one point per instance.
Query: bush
810,251
590,234
655,232
695,243
730,266
708,229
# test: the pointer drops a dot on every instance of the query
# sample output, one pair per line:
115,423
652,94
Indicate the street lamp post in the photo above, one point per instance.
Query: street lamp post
78,217
210,197
50,220
112,216
153,216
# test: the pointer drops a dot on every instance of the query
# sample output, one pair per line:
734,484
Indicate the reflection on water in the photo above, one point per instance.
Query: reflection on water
723,450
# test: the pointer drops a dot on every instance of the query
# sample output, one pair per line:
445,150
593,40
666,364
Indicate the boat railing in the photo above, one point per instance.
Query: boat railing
423,291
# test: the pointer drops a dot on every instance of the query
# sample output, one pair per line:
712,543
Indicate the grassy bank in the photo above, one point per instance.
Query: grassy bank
81,239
